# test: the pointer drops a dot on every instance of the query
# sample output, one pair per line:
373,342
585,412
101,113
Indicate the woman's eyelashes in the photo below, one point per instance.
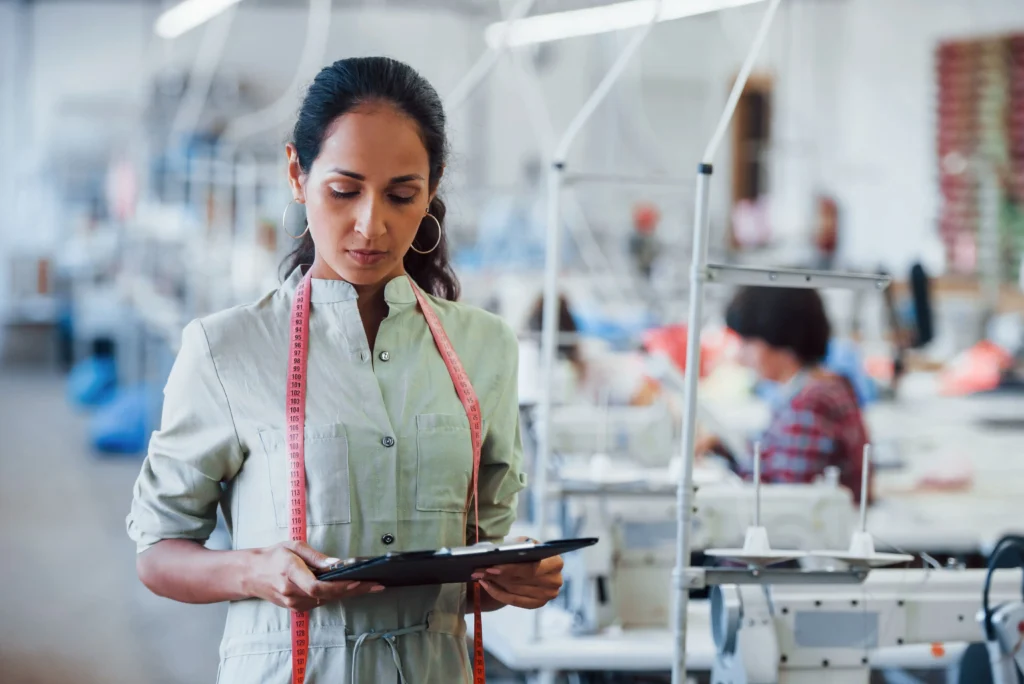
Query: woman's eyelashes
405,198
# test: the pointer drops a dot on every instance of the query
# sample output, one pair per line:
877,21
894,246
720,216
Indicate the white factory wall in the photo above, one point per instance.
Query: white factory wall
8,134
118,55
887,174
88,69
853,109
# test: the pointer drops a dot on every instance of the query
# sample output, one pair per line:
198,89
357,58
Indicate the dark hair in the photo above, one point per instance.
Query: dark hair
566,324
340,88
783,318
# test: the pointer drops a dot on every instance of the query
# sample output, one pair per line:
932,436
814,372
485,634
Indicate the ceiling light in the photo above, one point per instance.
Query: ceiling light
185,16
602,19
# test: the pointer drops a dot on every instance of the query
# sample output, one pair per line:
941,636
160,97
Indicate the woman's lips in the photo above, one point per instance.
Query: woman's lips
366,257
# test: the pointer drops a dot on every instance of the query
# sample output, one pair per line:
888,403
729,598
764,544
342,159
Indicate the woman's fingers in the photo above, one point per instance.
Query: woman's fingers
532,591
524,585
303,579
311,556
511,599
523,572
307,586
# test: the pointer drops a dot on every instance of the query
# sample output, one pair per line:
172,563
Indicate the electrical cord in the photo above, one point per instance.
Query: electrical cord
1007,543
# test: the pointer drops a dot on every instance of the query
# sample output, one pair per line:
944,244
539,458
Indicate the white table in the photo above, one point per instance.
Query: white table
929,432
927,429
508,636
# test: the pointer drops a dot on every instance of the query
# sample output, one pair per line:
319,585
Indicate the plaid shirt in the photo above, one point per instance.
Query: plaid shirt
815,423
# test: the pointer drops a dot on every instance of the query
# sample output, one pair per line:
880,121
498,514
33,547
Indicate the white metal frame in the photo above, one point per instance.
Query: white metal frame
487,61
552,262
701,273
759,637
532,98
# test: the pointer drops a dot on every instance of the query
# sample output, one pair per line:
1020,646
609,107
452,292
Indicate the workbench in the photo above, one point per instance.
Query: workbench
921,433
918,433
508,636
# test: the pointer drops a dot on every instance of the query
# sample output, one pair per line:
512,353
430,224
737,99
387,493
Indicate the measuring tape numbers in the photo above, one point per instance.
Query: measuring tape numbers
296,418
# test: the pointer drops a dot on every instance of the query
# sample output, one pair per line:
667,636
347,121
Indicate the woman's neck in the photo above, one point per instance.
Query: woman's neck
788,372
373,308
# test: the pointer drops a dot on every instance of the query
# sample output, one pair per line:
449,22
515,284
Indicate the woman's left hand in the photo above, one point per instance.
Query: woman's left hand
524,585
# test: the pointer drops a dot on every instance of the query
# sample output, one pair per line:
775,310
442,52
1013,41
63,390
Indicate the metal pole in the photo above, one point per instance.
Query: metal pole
864,485
549,334
318,28
701,228
684,495
487,61
757,484
552,263
575,178
604,87
741,82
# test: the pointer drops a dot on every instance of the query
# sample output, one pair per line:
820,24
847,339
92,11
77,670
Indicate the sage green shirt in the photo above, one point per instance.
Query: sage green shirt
388,454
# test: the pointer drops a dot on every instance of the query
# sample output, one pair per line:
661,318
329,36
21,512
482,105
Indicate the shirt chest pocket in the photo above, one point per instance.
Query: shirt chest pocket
327,477
444,462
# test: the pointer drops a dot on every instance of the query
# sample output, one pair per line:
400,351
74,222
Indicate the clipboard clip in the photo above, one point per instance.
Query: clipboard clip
486,547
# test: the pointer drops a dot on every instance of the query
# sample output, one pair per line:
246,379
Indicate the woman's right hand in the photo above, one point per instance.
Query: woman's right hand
283,575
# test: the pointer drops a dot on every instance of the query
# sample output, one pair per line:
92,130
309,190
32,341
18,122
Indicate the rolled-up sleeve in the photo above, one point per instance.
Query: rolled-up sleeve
501,458
194,451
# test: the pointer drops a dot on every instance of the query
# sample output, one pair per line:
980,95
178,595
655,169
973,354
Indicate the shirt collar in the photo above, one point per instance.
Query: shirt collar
792,387
398,290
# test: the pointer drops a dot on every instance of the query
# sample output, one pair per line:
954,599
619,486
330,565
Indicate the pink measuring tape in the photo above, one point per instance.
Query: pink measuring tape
296,417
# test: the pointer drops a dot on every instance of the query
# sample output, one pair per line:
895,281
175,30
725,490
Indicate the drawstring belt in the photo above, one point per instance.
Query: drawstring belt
389,639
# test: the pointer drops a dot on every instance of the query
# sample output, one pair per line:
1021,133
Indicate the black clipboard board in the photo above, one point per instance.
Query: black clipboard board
446,566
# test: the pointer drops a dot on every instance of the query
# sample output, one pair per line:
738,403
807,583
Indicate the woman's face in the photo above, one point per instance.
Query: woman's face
768,362
365,194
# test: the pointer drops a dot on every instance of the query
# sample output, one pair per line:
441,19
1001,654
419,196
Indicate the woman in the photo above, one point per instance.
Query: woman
598,376
387,445
816,421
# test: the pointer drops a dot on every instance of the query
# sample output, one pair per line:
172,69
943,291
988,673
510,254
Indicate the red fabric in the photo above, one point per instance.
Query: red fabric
671,341
820,426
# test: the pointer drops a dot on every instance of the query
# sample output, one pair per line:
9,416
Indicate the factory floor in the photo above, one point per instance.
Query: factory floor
71,607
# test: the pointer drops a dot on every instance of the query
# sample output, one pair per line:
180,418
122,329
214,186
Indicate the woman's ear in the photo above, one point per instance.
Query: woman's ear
296,177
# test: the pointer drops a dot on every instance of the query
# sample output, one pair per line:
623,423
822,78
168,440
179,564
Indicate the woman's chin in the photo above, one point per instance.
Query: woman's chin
363,274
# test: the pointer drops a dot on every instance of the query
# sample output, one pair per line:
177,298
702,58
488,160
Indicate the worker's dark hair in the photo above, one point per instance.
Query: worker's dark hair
567,349
783,318
344,86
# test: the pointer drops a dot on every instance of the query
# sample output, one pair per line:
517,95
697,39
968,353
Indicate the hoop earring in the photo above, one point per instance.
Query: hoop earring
284,222
438,223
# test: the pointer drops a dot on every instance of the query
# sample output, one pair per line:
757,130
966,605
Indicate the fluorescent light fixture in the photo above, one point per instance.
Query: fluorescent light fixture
601,19
185,16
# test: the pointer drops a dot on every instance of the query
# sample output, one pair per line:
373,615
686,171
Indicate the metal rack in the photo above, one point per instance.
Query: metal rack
701,273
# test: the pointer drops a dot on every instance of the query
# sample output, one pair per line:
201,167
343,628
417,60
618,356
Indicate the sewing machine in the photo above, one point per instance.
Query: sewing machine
624,580
767,633
644,435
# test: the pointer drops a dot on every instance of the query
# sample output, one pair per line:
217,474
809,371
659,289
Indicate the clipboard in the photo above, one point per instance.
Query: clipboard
446,566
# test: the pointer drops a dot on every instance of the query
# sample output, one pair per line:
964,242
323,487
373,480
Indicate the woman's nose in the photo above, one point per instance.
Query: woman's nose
370,218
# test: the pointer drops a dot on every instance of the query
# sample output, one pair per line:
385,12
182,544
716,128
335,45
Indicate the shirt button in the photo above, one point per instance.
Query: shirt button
388,442
385,356
388,539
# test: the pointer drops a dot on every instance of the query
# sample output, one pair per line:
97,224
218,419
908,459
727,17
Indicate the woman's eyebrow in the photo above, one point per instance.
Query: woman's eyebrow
406,178
360,177
350,174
